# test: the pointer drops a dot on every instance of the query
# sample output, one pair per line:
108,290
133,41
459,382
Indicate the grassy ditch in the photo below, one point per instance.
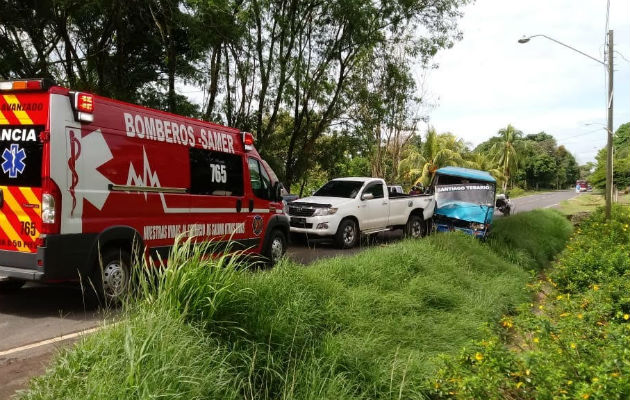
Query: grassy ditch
574,343
367,326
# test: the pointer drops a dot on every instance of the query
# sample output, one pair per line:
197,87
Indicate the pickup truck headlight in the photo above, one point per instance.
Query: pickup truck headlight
321,212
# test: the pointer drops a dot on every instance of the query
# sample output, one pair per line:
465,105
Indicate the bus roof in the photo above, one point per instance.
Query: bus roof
483,176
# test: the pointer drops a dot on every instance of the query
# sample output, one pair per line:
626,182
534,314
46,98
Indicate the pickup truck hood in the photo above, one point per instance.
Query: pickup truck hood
322,201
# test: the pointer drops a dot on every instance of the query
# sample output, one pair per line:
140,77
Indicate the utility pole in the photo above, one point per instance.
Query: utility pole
609,145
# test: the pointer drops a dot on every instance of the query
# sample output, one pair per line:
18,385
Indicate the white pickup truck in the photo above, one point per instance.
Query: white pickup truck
345,208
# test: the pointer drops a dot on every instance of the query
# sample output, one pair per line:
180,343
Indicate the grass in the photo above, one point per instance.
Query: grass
362,327
518,192
583,203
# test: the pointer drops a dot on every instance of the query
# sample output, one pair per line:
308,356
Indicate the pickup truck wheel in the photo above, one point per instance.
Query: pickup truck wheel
10,285
415,227
347,234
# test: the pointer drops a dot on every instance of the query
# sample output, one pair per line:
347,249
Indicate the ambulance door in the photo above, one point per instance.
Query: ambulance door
216,193
259,204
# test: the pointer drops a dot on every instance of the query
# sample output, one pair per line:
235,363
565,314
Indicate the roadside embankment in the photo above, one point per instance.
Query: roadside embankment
367,326
574,343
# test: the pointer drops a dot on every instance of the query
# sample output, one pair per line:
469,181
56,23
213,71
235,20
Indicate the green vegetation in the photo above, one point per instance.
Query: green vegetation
368,326
621,161
574,343
584,203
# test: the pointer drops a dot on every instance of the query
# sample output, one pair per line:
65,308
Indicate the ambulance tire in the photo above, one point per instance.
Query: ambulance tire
110,278
11,285
276,248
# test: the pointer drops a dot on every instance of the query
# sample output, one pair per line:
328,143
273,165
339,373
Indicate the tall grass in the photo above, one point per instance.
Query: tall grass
368,326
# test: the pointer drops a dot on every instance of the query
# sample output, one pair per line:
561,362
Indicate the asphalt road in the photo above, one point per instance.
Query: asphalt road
37,319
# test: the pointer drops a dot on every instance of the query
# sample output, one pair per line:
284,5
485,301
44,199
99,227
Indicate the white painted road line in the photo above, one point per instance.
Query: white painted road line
50,341
553,205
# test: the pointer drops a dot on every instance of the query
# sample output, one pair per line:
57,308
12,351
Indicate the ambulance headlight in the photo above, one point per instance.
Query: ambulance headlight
320,212
48,208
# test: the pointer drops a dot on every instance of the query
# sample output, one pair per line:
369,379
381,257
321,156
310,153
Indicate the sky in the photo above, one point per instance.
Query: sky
488,80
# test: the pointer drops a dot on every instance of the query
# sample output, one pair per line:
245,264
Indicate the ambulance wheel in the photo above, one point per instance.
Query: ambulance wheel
10,285
111,276
415,227
347,234
277,247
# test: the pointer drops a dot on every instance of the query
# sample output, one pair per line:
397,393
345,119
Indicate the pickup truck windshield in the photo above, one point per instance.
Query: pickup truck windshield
347,189
474,193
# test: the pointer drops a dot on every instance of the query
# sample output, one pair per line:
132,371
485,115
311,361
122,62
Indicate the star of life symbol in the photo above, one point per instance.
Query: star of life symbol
13,160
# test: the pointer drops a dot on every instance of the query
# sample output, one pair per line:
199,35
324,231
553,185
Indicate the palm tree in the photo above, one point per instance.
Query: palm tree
505,152
437,151
484,162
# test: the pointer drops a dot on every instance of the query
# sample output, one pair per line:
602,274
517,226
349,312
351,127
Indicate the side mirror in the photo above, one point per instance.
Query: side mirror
277,192
367,196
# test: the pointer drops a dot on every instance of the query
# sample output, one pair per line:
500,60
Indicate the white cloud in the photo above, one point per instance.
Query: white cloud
489,80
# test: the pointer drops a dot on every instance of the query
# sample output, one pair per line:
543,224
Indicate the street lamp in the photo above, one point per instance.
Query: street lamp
609,155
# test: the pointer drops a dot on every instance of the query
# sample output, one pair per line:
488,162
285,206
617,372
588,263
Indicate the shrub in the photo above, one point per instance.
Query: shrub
574,344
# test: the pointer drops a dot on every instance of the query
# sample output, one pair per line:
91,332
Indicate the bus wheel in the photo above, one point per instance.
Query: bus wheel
10,285
111,276
277,247
415,227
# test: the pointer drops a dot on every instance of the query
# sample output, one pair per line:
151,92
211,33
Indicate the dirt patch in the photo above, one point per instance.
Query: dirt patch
15,372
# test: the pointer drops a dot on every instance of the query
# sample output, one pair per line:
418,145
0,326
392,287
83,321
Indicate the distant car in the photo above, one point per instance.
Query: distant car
589,188
395,190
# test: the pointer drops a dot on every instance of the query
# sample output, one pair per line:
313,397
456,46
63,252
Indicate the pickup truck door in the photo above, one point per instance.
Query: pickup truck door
374,212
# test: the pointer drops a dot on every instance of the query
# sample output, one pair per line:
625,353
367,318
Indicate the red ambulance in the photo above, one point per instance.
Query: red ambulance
86,181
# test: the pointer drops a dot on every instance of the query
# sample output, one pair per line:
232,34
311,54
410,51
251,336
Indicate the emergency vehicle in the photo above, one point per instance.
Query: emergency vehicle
88,183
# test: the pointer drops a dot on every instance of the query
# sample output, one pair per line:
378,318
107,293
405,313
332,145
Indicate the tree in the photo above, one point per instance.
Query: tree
505,152
621,160
438,150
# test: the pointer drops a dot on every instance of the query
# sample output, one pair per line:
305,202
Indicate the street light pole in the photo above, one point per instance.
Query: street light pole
609,144
609,147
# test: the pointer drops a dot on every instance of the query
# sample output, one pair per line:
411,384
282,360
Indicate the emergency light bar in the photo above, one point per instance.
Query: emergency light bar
25,84
83,106
248,141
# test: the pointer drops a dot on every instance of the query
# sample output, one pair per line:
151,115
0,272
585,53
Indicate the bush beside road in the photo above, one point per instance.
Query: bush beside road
574,343
367,326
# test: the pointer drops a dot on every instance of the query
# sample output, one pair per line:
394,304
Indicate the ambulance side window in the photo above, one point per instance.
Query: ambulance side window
215,173
261,183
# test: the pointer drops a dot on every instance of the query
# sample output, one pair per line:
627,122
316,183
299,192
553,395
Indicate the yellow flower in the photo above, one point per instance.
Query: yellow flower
518,385
569,382
527,372
540,307
596,287
573,345
580,316
615,374
586,396
536,340
478,356
626,316
595,380
559,297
